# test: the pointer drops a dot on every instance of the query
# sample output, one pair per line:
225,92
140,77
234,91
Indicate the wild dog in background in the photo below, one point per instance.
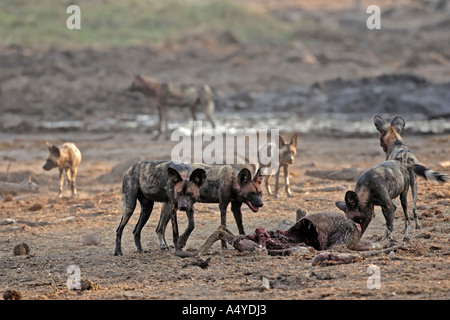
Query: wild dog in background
395,149
67,158
183,193
287,152
165,95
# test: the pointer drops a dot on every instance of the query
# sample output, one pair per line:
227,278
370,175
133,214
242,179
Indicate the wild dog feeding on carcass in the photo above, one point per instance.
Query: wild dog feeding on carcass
287,152
67,158
224,185
320,231
395,149
165,95
377,187
147,181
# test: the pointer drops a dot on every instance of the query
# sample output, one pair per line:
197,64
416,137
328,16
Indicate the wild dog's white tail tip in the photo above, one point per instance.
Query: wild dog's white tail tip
429,174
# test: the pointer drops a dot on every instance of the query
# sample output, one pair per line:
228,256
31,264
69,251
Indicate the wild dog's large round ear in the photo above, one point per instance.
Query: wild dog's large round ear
54,150
198,176
281,141
351,200
244,176
379,123
341,205
258,178
294,140
174,176
398,123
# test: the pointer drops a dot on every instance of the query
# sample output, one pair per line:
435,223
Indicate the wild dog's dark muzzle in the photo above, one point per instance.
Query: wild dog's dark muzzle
255,204
49,165
183,204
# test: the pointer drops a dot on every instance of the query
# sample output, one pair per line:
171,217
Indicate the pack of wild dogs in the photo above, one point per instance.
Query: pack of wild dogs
179,186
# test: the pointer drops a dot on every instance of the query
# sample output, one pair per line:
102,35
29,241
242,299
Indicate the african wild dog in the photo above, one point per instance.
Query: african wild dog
67,158
183,193
395,149
165,95
377,187
287,152
224,185
147,181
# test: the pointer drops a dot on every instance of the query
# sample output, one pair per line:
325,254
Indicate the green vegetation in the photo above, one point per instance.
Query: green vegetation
42,23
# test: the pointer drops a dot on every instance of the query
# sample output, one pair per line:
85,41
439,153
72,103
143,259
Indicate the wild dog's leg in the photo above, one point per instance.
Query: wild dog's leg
183,238
413,184
266,182
173,219
146,210
389,213
404,202
128,204
73,180
160,122
277,183
61,182
208,110
223,218
286,180
236,209
162,224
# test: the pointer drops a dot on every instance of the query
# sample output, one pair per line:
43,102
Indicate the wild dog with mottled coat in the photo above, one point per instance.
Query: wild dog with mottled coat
224,185
377,187
165,95
147,182
395,149
183,193
287,152
67,158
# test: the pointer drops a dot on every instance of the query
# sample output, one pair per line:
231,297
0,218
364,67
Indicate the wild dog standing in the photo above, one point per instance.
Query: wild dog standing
287,154
224,185
146,181
165,95
377,187
67,158
183,193
392,144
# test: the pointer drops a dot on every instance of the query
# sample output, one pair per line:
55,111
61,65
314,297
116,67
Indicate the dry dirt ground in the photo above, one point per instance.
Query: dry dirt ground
418,272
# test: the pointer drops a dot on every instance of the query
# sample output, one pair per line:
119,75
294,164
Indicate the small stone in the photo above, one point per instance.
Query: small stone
10,294
265,285
36,207
91,239
21,249
8,198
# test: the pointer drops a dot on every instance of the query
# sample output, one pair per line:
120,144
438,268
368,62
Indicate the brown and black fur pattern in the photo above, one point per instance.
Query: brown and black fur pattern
377,187
224,185
147,182
287,152
183,193
395,149
164,95
66,158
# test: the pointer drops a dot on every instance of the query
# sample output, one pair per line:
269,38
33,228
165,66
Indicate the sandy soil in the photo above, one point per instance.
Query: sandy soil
418,272
80,96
